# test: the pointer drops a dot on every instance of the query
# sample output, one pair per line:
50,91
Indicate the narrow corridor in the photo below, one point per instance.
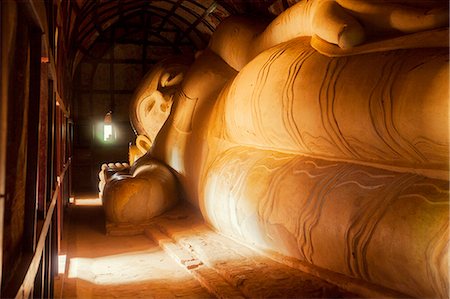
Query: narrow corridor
178,256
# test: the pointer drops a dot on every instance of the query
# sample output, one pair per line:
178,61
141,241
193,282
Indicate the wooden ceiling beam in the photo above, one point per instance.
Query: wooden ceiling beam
194,25
169,14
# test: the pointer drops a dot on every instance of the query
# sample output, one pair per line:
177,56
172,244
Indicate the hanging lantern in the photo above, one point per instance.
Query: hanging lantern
108,128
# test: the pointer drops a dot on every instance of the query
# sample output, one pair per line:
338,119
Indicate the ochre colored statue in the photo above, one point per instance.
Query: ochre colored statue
323,136
113,170
148,188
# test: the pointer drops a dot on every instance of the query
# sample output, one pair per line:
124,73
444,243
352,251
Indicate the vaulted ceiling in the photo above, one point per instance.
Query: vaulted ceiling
175,24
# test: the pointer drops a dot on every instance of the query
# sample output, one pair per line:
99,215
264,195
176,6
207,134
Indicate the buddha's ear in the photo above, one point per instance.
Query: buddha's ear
169,80
147,104
152,111
143,143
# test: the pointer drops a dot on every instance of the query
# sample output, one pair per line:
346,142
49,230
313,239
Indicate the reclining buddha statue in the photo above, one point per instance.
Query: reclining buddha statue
322,136
144,188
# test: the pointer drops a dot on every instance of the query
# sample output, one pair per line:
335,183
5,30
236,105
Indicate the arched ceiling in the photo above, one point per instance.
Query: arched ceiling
168,21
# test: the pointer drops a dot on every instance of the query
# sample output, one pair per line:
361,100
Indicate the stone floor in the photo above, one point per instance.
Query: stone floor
177,256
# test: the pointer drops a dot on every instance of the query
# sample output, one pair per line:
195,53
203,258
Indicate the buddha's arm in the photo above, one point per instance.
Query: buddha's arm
389,16
324,18
237,40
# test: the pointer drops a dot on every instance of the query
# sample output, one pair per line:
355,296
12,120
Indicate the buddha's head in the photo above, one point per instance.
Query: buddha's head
153,98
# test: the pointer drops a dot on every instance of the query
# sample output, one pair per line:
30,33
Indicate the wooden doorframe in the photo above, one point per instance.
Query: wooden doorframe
3,129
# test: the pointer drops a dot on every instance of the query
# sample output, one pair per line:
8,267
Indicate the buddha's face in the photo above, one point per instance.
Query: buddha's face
154,99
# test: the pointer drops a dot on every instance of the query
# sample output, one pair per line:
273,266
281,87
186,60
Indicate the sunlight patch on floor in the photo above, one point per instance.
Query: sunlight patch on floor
62,263
127,268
